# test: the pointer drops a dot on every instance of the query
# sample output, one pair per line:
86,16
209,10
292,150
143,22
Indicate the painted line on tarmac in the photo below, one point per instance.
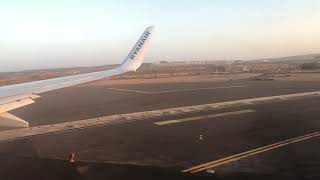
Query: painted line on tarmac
131,90
174,91
10,135
246,154
196,118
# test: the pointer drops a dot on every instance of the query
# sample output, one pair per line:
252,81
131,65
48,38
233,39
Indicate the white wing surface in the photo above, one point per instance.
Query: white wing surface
18,95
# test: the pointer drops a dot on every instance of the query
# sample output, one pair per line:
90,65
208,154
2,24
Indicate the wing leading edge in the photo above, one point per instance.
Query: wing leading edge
15,96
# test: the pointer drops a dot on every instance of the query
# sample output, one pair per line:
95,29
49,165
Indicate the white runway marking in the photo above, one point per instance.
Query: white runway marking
15,134
174,91
161,123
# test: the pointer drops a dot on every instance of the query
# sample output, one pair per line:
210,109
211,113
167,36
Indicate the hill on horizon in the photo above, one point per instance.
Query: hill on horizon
306,58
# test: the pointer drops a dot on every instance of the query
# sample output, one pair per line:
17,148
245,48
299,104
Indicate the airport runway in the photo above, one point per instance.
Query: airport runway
278,139
83,102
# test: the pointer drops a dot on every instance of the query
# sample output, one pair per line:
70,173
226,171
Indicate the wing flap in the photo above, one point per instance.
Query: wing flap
15,104
17,98
12,121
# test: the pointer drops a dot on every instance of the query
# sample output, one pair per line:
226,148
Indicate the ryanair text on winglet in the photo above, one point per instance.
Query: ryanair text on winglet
140,44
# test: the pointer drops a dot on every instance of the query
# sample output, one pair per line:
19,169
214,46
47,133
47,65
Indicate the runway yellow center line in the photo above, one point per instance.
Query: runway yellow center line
249,153
161,123
173,91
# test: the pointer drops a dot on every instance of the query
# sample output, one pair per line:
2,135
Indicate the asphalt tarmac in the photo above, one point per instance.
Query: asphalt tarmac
275,140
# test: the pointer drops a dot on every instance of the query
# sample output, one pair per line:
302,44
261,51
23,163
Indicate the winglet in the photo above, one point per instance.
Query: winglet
136,55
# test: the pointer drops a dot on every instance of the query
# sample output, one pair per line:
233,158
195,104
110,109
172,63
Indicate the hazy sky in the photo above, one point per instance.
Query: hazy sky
59,33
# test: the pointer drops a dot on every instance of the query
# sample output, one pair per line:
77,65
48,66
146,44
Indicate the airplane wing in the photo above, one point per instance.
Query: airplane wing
18,95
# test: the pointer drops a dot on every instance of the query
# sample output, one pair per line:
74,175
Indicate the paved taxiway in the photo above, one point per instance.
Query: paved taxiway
273,139
83,102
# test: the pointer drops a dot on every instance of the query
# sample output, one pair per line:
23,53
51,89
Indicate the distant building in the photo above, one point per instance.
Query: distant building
164,62
310,66
238,62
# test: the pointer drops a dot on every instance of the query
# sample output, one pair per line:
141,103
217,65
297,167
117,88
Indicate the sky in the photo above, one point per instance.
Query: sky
37,34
